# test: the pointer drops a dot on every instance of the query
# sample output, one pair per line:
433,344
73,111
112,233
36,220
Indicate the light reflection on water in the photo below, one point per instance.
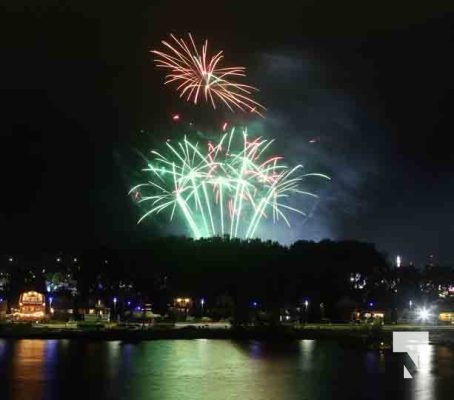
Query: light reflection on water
423,378
216,369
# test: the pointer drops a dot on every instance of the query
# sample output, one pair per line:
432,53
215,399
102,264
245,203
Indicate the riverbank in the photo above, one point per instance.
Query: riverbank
362,336
375,337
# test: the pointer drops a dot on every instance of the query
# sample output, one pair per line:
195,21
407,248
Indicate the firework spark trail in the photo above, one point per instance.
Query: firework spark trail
195,72
234,184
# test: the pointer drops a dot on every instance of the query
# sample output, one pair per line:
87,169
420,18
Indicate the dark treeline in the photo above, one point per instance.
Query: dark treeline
334,277
252,270
272,274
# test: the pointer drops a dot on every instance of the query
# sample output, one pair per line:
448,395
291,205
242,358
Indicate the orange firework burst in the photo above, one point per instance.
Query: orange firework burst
198,75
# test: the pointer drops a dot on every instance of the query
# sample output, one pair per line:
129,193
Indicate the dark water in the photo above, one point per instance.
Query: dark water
216,369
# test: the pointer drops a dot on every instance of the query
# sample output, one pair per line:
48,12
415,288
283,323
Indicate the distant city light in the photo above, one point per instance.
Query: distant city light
314,140
11,259
58,259
371,304
398,261
75,259
176,117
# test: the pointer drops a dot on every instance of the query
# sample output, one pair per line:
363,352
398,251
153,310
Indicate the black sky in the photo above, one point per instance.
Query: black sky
373,81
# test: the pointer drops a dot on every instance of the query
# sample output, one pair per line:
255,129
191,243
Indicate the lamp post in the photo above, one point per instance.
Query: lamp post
202,302
115,305
410,304
306,305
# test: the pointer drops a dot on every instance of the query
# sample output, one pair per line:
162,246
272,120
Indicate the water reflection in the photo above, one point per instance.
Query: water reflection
113,358
423,379
27,369
216,369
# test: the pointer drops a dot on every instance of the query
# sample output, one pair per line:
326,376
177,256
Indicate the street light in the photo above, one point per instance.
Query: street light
115,305
424,314
202,302
306,304
410,303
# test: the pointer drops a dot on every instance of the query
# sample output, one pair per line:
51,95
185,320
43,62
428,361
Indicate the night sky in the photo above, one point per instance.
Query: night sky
372,80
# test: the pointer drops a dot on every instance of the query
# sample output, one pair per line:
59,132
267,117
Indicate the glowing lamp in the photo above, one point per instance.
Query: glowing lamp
424,314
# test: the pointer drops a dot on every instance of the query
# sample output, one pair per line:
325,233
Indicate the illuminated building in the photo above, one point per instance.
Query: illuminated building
182,303
372,315
99,313
31,306
181,307
446,317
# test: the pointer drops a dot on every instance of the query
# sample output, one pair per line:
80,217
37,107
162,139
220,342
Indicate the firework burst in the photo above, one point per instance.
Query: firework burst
199,75
227,187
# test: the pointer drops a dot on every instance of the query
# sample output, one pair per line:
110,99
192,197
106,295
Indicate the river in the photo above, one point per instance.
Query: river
216,369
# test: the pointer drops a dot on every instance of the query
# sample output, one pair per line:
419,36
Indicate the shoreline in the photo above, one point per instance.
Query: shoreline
380,339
